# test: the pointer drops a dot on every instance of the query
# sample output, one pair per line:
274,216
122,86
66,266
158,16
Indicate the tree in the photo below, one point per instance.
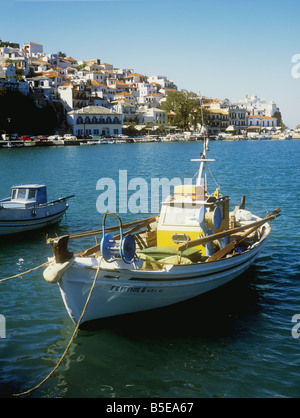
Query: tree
186,106
280,123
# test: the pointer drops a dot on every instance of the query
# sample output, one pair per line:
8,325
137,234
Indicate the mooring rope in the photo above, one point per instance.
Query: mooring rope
70,342
25,272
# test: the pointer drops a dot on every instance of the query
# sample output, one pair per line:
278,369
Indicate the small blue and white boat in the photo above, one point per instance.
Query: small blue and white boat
27,208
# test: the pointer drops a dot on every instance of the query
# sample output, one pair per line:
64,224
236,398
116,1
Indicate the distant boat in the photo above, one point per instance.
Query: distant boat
28,209
285,136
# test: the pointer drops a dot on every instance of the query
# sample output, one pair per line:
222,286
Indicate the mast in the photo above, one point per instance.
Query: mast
202,177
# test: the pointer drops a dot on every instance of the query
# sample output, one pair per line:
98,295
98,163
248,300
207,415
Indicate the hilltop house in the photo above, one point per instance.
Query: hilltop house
33,49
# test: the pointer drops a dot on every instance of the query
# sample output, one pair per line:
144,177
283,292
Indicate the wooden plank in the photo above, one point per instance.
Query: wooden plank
108,229
218,235
231,246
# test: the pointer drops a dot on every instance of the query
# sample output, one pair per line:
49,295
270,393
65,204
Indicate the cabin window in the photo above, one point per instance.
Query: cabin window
31,194
178,215
14,194
21,193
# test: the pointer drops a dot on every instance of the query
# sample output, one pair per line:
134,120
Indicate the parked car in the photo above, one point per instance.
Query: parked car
14,137
26,138
69,136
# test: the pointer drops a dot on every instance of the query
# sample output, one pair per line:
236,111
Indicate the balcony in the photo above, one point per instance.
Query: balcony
95,121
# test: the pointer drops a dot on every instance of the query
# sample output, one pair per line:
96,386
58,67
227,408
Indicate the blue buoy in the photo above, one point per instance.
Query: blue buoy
217,217
201,216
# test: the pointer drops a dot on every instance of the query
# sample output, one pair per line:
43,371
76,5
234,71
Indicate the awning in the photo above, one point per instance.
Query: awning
230,128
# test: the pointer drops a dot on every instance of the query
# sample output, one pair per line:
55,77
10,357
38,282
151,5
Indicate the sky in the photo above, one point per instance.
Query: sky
222,49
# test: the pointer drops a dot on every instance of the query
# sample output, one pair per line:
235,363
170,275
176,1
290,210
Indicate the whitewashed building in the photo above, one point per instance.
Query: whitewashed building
257,106
16,56
9,69
147,88
153,115
95,120
42,84
162,81
33,49
258,121
74,95
237,118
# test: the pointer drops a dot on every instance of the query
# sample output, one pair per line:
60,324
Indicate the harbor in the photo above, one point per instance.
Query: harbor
122,139
234,342
149,202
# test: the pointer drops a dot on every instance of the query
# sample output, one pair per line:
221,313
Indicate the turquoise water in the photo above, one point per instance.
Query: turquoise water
235,342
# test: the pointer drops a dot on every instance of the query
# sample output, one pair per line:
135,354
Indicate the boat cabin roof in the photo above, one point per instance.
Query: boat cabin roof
29,193
28,186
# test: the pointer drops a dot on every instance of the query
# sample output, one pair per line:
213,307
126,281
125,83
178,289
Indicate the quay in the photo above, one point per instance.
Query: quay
97,141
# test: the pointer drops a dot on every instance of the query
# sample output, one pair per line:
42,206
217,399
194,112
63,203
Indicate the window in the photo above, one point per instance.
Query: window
31,194
21,193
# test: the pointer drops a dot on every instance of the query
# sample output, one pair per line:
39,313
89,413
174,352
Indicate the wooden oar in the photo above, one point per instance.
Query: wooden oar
218,235
231,245
108,229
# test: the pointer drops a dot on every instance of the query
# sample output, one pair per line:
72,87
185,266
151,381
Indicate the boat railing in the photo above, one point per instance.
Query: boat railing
30,205
60,244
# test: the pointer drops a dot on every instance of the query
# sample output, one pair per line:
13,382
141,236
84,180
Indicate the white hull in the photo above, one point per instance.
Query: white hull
16,220
121,289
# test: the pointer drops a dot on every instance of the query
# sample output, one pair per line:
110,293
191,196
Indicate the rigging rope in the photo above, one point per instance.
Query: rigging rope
25,272
70,342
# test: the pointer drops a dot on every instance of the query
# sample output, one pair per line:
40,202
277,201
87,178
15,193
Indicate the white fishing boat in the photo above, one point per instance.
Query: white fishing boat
27,208
196,244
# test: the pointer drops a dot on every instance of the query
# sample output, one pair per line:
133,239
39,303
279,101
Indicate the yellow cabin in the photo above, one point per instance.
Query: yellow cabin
189,214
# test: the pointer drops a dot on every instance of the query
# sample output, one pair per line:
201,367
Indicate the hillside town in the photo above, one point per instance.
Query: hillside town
99,99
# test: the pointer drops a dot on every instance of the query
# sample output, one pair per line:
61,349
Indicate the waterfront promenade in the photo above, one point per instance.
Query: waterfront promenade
141,139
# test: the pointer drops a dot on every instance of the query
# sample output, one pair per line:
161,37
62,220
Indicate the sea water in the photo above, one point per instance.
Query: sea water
238,341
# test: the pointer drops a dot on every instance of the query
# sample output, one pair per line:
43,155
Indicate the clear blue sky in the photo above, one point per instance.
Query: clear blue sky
224,49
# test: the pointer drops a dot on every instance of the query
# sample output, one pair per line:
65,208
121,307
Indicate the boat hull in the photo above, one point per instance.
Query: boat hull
18,220
121,291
